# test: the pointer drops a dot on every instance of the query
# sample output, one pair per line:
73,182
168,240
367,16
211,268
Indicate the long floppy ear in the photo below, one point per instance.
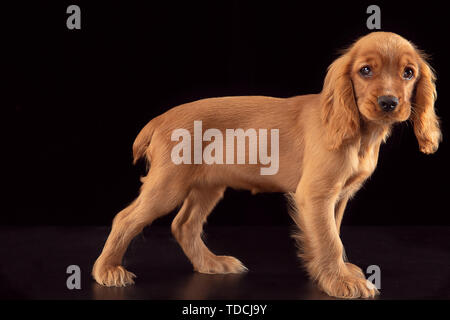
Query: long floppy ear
426,123
339,112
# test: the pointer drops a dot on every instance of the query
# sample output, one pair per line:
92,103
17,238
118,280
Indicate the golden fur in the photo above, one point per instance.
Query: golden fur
329,145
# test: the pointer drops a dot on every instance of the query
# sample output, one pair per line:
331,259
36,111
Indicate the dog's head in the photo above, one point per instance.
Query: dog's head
382,78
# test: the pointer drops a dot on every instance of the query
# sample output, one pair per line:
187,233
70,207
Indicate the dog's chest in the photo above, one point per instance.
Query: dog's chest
362,168
367,160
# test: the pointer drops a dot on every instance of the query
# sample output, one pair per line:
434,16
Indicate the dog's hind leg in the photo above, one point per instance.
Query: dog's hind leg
187,229
159,196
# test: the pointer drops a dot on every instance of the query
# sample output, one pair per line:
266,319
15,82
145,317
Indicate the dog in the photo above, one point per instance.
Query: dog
328,146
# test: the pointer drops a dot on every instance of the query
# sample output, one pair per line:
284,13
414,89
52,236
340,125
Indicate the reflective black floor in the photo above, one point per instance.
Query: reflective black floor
414,263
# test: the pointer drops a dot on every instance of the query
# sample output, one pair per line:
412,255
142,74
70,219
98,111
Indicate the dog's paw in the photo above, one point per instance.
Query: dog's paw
113,276
354,270
219,264
350,284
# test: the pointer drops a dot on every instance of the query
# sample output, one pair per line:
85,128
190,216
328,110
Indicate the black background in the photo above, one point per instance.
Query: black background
79,98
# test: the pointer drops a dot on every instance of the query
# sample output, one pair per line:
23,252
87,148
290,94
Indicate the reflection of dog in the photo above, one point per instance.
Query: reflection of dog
329,145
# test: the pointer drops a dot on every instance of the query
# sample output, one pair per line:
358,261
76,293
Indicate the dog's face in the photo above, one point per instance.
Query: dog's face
384,74
382,78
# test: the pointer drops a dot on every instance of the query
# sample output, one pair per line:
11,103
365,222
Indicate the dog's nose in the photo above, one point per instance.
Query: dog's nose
387,103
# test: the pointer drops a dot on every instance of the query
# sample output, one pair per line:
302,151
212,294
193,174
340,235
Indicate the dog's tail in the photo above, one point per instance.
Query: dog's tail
142,142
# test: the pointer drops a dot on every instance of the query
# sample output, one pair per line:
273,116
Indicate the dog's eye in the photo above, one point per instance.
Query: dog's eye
366,71
408,74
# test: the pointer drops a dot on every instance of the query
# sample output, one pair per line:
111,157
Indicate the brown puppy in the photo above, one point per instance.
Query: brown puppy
328,146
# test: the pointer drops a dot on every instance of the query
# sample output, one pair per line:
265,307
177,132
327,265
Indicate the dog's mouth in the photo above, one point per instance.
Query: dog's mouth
372,112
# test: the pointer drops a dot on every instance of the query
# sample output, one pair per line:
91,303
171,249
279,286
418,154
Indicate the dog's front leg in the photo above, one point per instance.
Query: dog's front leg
339,212
321,247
